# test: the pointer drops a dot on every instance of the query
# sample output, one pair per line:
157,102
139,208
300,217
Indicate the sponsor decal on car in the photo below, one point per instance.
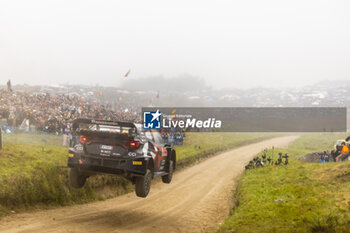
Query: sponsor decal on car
132,154
105,150
105,147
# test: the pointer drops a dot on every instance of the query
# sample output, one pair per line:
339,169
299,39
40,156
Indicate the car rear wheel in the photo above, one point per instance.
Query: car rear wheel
77,180
143,184
167,178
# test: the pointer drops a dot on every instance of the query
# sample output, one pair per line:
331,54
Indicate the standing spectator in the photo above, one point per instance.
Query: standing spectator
344,153
9,88
66,136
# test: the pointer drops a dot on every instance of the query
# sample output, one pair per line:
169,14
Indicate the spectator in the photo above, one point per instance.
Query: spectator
9,88
52,113
344,153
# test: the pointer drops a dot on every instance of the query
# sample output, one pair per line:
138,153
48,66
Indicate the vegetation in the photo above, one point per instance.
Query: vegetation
299,197
39,139
201,145
33,172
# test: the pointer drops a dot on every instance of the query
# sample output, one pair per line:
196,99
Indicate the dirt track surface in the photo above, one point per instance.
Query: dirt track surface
197,200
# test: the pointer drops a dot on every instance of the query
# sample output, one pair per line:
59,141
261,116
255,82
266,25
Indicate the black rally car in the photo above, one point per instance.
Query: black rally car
120,148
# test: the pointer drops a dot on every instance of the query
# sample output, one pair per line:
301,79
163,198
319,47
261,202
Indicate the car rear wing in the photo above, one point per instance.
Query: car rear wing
103,128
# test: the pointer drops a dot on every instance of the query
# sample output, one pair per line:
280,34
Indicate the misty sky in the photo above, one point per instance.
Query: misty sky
227,43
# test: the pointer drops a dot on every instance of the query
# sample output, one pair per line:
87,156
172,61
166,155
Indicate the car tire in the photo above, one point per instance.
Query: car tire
143,184
77,180
167,179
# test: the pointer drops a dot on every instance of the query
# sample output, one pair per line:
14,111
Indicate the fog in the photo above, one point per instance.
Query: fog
222,43
181,83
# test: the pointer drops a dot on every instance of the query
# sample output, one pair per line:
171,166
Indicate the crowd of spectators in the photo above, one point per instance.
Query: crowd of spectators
53,113
173,136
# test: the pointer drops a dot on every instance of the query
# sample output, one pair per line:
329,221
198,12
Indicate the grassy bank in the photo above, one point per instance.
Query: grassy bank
38,139
300,197
201,145
33,174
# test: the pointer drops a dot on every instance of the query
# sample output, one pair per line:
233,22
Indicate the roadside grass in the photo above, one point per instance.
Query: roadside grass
201,145
33,173
30,175
39,139
299,197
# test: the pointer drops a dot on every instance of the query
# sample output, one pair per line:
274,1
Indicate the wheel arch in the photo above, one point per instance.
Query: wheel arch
173,157
150,165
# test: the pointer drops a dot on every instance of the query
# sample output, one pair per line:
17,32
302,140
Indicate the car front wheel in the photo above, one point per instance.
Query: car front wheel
169,176
143,184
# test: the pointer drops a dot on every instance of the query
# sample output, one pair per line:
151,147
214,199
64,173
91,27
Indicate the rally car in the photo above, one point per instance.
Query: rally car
120,148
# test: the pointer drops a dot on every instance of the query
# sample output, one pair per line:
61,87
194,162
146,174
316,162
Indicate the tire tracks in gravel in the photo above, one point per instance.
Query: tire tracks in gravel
197,200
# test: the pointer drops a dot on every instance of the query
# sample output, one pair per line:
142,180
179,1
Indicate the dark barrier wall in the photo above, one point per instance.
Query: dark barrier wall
310,119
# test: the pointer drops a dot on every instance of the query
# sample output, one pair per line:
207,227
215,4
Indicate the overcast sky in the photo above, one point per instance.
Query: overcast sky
227,43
